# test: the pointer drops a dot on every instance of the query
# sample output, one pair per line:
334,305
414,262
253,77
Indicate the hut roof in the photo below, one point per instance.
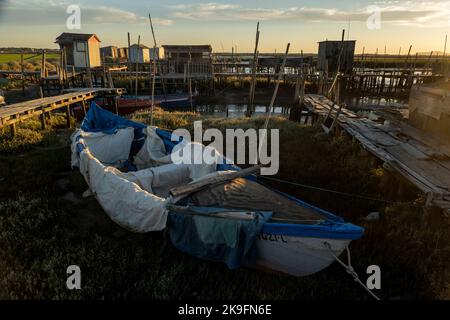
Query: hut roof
66,37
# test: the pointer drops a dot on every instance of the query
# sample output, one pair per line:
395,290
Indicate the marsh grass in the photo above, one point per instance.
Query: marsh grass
30,134
41,233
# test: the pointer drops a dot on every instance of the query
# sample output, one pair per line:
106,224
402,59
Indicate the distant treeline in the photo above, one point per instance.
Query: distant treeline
23,49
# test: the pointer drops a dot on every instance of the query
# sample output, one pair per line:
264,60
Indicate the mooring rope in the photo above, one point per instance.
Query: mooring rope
353,195
348,267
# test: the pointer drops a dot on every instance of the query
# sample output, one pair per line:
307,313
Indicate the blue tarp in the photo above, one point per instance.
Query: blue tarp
214,238
166,137
101,120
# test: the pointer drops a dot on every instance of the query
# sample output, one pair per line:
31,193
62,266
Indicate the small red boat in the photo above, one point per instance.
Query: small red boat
130,104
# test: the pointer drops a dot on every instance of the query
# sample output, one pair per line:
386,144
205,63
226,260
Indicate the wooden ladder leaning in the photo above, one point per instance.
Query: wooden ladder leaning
330,120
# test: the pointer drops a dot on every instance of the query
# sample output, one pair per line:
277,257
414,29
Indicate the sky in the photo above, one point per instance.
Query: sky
230,23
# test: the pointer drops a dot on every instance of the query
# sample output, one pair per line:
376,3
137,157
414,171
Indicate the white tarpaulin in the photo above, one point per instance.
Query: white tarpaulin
107,148
136,200
124,201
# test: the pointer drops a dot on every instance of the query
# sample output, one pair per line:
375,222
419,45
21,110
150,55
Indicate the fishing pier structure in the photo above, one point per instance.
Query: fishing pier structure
416,156
12,114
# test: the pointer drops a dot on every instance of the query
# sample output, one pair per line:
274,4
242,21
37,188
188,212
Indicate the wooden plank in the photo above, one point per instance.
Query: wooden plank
15,112
409,153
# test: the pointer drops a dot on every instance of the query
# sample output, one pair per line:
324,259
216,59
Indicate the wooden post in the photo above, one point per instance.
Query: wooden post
137,67
104,72
42,78
83,105
88,66
13,129
43,65
297,86
68,115
116,105
129,61
22,73
297,108
189,81
42,118
253,81
362,60
64,66
60,68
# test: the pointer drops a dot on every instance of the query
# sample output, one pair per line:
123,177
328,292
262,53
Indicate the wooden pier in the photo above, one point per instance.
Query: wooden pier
14,113
416,156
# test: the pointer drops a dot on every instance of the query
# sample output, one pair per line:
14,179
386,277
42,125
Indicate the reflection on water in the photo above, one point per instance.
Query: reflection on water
361,103
357,103
238,110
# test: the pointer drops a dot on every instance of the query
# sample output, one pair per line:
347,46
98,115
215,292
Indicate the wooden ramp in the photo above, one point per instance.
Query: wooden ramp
418,157
11,114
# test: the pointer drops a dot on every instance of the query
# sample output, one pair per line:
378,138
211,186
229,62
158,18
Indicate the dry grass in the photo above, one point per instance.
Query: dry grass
30,135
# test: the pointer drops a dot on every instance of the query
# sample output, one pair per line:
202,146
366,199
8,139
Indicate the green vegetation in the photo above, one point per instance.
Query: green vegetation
11,57
29,135
46,225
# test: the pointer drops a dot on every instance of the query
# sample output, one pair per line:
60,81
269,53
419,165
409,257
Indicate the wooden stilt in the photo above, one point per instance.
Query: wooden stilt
42,117
13,129
68,116
83,105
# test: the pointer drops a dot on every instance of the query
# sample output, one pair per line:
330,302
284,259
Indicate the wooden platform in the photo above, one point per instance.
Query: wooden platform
418,157
11,114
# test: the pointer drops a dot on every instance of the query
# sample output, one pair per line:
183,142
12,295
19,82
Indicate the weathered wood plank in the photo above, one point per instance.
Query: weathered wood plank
20,111
420,159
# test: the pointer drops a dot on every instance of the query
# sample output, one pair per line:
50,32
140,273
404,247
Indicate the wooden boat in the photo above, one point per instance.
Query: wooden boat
130,104
128,168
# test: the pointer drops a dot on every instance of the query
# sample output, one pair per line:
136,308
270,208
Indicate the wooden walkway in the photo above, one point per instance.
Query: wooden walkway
11,114
418,157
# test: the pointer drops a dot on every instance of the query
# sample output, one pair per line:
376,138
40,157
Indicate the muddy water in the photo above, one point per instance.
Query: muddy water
356,103
237,110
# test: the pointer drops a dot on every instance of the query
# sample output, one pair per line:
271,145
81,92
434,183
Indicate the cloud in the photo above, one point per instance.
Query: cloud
53,12
404,13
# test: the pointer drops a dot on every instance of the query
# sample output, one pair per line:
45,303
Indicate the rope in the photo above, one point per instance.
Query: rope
348,267
353,195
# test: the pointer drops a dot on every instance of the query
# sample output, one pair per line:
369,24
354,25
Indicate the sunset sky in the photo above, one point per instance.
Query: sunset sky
228,23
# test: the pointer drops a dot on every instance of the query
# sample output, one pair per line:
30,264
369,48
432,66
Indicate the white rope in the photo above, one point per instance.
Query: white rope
348,267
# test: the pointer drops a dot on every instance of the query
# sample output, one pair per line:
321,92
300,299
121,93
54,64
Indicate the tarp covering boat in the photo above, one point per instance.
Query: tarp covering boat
128,167
201,233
